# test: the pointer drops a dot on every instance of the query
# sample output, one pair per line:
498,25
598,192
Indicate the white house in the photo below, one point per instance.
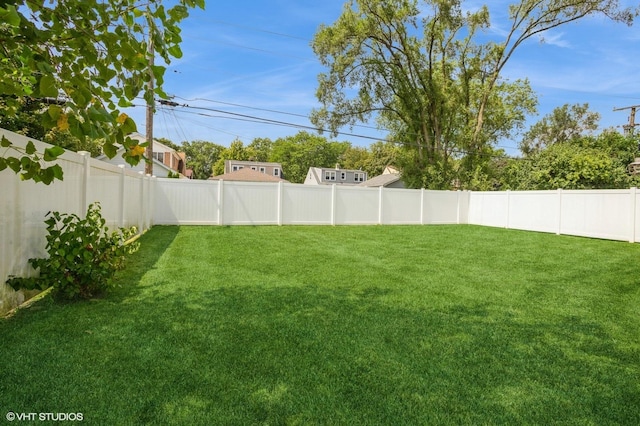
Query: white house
338,176
271,169
166,160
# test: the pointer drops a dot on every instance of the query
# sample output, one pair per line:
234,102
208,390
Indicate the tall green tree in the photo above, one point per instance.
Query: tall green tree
354,158
567,166
260,149
304,150
419,67
201,157
381,155
561,125
84,59
235,151
582,162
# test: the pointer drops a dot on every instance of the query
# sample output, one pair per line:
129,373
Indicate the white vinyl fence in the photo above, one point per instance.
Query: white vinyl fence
606,214
185,202
125,198
131,199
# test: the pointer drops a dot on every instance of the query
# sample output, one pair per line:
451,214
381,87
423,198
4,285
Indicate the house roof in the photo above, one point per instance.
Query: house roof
253,163
119,152
382,180
248,175
334,169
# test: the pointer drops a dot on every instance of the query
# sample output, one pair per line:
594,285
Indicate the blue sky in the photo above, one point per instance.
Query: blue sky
253,58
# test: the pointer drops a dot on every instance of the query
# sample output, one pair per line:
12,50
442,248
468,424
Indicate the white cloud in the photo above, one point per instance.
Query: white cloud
557,39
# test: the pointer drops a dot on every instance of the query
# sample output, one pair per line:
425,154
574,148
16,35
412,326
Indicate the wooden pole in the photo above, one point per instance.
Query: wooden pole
629,128
150,104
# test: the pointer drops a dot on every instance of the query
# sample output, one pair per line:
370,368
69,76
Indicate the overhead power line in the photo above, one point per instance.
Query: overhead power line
263,109
253,118
262,120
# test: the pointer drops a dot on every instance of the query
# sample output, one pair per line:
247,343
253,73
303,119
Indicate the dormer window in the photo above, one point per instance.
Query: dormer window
330,175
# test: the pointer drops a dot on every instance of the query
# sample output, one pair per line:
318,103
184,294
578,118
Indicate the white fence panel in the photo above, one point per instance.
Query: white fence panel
444,207
488,209
607,214
533,210
185,202
131,199
401,206
105,185
306,204
356,206
251,203
599,214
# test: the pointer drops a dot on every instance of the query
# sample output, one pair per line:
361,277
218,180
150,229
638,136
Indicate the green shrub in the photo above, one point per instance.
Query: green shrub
83,255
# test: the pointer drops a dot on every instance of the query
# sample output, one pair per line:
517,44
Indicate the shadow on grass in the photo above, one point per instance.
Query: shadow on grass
212,352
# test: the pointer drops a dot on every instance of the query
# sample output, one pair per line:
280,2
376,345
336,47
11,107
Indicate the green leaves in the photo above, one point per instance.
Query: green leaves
89,55
426,73
48,87
50,154
31,148
10,15
175,51
29,164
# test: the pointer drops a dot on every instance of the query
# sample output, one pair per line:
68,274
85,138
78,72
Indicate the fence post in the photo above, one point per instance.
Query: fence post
333,204
152,200
141,204
147,202
633,195
280,203
559,212
121,195
380,205
220,201
84,182
421,206
508,195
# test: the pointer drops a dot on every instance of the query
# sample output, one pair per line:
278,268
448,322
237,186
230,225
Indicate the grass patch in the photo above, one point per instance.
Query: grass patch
342,325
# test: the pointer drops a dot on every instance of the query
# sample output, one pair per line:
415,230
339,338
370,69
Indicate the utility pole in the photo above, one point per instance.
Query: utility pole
628,128
148,169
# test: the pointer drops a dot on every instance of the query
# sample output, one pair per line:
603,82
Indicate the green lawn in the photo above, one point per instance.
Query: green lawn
342,325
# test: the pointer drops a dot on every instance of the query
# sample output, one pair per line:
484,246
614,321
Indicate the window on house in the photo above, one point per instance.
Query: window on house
276,172
263,170
330,175
159,156
359,177
254,168
343,176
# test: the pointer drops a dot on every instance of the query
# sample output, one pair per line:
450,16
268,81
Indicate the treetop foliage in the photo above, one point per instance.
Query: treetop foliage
83,60
421,68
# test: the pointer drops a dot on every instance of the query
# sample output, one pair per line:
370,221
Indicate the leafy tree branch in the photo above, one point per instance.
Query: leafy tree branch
90,57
